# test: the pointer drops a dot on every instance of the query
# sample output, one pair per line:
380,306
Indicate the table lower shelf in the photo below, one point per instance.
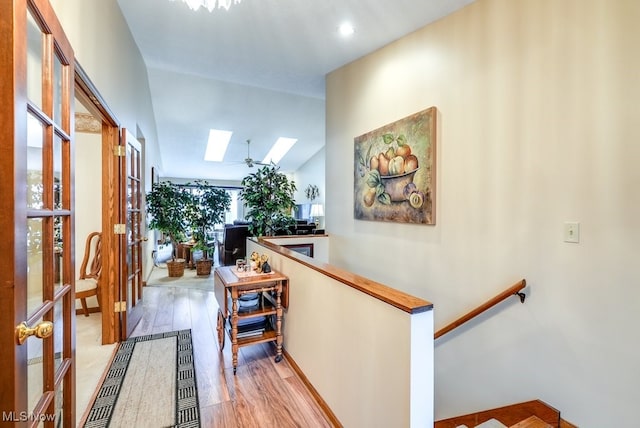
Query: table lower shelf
266,336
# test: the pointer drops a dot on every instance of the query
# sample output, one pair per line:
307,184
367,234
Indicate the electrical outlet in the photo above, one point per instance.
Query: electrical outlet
572,232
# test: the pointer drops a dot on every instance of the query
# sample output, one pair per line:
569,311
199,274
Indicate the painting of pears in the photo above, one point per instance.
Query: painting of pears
394,171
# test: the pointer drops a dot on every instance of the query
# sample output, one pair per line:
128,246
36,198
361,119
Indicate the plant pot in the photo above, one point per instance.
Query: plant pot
203,267
175,268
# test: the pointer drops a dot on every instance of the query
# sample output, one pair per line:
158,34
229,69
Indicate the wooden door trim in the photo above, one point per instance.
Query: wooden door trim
95,103
109,292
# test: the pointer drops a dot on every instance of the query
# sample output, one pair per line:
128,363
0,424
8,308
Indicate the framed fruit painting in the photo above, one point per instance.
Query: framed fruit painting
395,171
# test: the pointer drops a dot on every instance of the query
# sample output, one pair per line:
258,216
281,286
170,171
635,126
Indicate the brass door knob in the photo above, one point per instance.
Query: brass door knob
43,330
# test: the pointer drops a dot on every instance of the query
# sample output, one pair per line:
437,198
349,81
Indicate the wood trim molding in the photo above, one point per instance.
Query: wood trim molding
328,413
86,122
93,101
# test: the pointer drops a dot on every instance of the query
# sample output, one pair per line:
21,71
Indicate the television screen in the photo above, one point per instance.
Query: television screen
303,211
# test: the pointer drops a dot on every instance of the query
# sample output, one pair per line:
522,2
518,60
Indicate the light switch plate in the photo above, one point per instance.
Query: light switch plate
572,232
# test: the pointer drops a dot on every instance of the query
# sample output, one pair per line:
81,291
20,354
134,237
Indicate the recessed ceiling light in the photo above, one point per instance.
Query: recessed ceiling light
346,29
217,145
279,149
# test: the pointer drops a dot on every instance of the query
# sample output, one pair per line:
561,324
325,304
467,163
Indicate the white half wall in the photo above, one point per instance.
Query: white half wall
371,362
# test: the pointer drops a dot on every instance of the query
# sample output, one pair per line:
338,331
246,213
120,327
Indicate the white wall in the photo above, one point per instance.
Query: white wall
88,187
105,49
538,125
312,172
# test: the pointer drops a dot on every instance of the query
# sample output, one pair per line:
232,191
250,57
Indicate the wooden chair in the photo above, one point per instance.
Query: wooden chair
88,283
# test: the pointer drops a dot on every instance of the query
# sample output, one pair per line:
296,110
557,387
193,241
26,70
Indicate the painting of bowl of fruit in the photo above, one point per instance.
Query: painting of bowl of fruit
398,187
394,167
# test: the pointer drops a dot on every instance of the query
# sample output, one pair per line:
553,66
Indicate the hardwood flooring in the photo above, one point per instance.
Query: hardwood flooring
262,393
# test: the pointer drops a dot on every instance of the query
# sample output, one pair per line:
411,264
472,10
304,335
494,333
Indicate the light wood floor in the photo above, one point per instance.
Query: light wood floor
262,393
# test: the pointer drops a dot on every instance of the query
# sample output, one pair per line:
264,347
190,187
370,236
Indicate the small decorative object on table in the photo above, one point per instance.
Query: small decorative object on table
259,263
254,260
264,259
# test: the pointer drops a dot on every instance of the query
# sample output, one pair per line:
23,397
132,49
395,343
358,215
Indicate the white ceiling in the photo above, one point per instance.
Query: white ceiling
257,69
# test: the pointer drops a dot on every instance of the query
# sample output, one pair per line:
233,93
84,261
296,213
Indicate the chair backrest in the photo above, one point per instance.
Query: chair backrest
235,243
92,261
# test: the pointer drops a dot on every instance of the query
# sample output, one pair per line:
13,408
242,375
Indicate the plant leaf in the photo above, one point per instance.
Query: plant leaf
385,199
373,178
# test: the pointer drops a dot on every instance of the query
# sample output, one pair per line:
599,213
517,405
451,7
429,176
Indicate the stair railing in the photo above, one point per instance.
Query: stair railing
514,290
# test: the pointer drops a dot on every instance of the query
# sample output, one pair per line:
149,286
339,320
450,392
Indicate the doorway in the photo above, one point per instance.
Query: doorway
98,153
92,356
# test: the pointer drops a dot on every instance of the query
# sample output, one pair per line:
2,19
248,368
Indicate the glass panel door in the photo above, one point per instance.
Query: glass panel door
37,361
133,215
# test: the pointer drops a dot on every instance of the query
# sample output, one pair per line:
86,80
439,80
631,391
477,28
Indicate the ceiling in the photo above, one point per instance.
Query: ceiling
257,69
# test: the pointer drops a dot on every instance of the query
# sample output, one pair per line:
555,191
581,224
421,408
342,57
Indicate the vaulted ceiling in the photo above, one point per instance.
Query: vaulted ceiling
257,69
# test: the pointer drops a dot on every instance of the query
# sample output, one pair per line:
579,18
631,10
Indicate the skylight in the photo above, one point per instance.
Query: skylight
217,145
279,149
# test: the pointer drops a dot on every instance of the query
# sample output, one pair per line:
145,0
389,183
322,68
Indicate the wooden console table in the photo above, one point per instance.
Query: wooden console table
187,255
229,287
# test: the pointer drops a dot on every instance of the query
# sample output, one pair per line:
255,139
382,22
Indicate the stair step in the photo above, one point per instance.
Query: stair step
491,423
507,415
532,422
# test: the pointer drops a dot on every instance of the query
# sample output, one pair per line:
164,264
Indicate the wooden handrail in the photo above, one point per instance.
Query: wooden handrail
511,291
391,296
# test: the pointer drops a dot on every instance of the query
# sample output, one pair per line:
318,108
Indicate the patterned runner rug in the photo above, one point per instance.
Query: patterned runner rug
151,383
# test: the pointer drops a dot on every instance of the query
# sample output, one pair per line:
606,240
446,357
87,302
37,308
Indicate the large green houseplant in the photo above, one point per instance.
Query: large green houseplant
206,207
166,204
268,195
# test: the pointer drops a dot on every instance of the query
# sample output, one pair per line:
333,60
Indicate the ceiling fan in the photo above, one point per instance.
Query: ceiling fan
249,160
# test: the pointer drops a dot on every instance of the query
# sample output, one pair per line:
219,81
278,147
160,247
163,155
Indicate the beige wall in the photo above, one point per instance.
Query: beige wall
537,126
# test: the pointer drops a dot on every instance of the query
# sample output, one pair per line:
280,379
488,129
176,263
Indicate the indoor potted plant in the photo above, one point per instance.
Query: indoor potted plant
268,195
207,206
166,205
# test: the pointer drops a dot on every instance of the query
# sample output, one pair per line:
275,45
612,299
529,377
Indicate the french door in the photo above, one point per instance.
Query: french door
132,212
37,302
